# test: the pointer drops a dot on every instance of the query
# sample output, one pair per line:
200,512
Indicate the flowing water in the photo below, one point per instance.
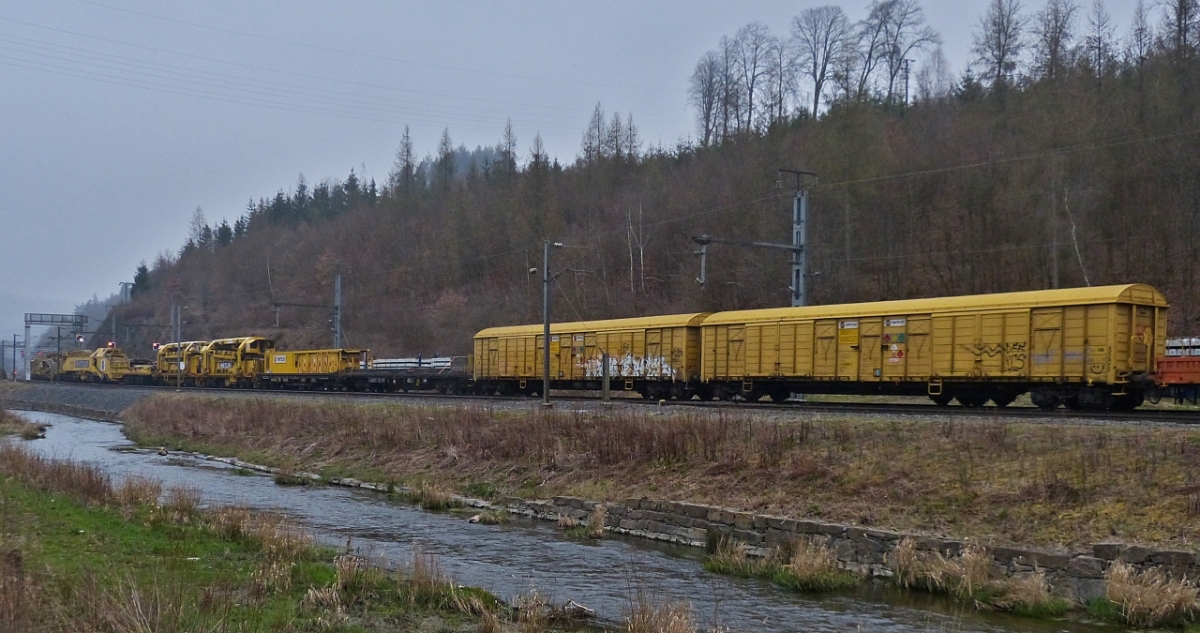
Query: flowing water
526,555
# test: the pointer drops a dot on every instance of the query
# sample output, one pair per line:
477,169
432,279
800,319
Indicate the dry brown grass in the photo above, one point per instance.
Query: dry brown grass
962,576
649,614
533,612
424,583
12,424
567,522
1150,598
84,482
434,496
810,559
281,538
19,597
596,521
134,492
1020,482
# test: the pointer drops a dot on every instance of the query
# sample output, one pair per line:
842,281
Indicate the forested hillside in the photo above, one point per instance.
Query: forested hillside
1067,154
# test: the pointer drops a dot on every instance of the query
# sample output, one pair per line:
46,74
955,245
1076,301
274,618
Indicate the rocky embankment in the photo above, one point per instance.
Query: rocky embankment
95,402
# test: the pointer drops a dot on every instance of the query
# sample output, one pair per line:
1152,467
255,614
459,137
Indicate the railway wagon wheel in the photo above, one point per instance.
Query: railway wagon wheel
941,399
1003,398
779,396
972,400
1045,400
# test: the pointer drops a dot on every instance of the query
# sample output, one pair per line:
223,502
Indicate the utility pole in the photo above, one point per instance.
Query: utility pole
335,323
798,247
337,312
177,321
546,320
906,67
799,240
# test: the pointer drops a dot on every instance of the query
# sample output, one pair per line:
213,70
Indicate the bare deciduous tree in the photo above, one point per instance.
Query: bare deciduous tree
753,42
870,45
1053,30
779,87
819,36
704,93
934,80
905,32
999,41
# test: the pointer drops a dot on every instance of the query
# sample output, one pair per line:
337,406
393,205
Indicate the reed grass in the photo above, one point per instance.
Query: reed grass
651,614
801,565
596,521
1150,598
434,496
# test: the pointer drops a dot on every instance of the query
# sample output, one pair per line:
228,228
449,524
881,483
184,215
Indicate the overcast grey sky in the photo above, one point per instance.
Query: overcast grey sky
119,117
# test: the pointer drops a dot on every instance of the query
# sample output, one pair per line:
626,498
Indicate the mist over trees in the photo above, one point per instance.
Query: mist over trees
1066,154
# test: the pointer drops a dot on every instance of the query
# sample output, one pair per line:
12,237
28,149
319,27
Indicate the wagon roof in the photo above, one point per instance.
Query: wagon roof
1140,294
639,323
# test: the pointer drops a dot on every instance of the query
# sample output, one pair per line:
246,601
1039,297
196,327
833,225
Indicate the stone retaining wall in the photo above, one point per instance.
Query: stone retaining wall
1077,576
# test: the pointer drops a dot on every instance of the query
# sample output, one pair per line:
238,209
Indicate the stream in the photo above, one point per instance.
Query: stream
525,555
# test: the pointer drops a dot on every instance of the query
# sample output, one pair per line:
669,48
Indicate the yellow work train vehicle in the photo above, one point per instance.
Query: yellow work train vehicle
1083,347
44,366
658,357
104,365
233,362
181,363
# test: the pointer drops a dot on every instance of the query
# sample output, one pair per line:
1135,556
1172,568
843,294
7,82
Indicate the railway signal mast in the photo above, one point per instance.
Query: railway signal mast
335,322
797,247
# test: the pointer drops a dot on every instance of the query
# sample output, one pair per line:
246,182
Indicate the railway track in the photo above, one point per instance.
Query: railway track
1144,415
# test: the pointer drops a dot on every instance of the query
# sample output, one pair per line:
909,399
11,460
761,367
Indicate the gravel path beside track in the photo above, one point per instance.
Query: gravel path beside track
109,400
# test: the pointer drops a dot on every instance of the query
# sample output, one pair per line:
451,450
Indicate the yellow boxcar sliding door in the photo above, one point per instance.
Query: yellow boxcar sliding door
847,350
894,348
825,356
870,337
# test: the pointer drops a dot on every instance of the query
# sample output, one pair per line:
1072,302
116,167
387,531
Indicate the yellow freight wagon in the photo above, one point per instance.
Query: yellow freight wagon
658,356
306,369
235,362
1082,347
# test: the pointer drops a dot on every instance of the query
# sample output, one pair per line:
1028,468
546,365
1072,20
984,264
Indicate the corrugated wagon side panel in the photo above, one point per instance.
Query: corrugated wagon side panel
1098,353
1074,346
804,349
942,346
692,357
